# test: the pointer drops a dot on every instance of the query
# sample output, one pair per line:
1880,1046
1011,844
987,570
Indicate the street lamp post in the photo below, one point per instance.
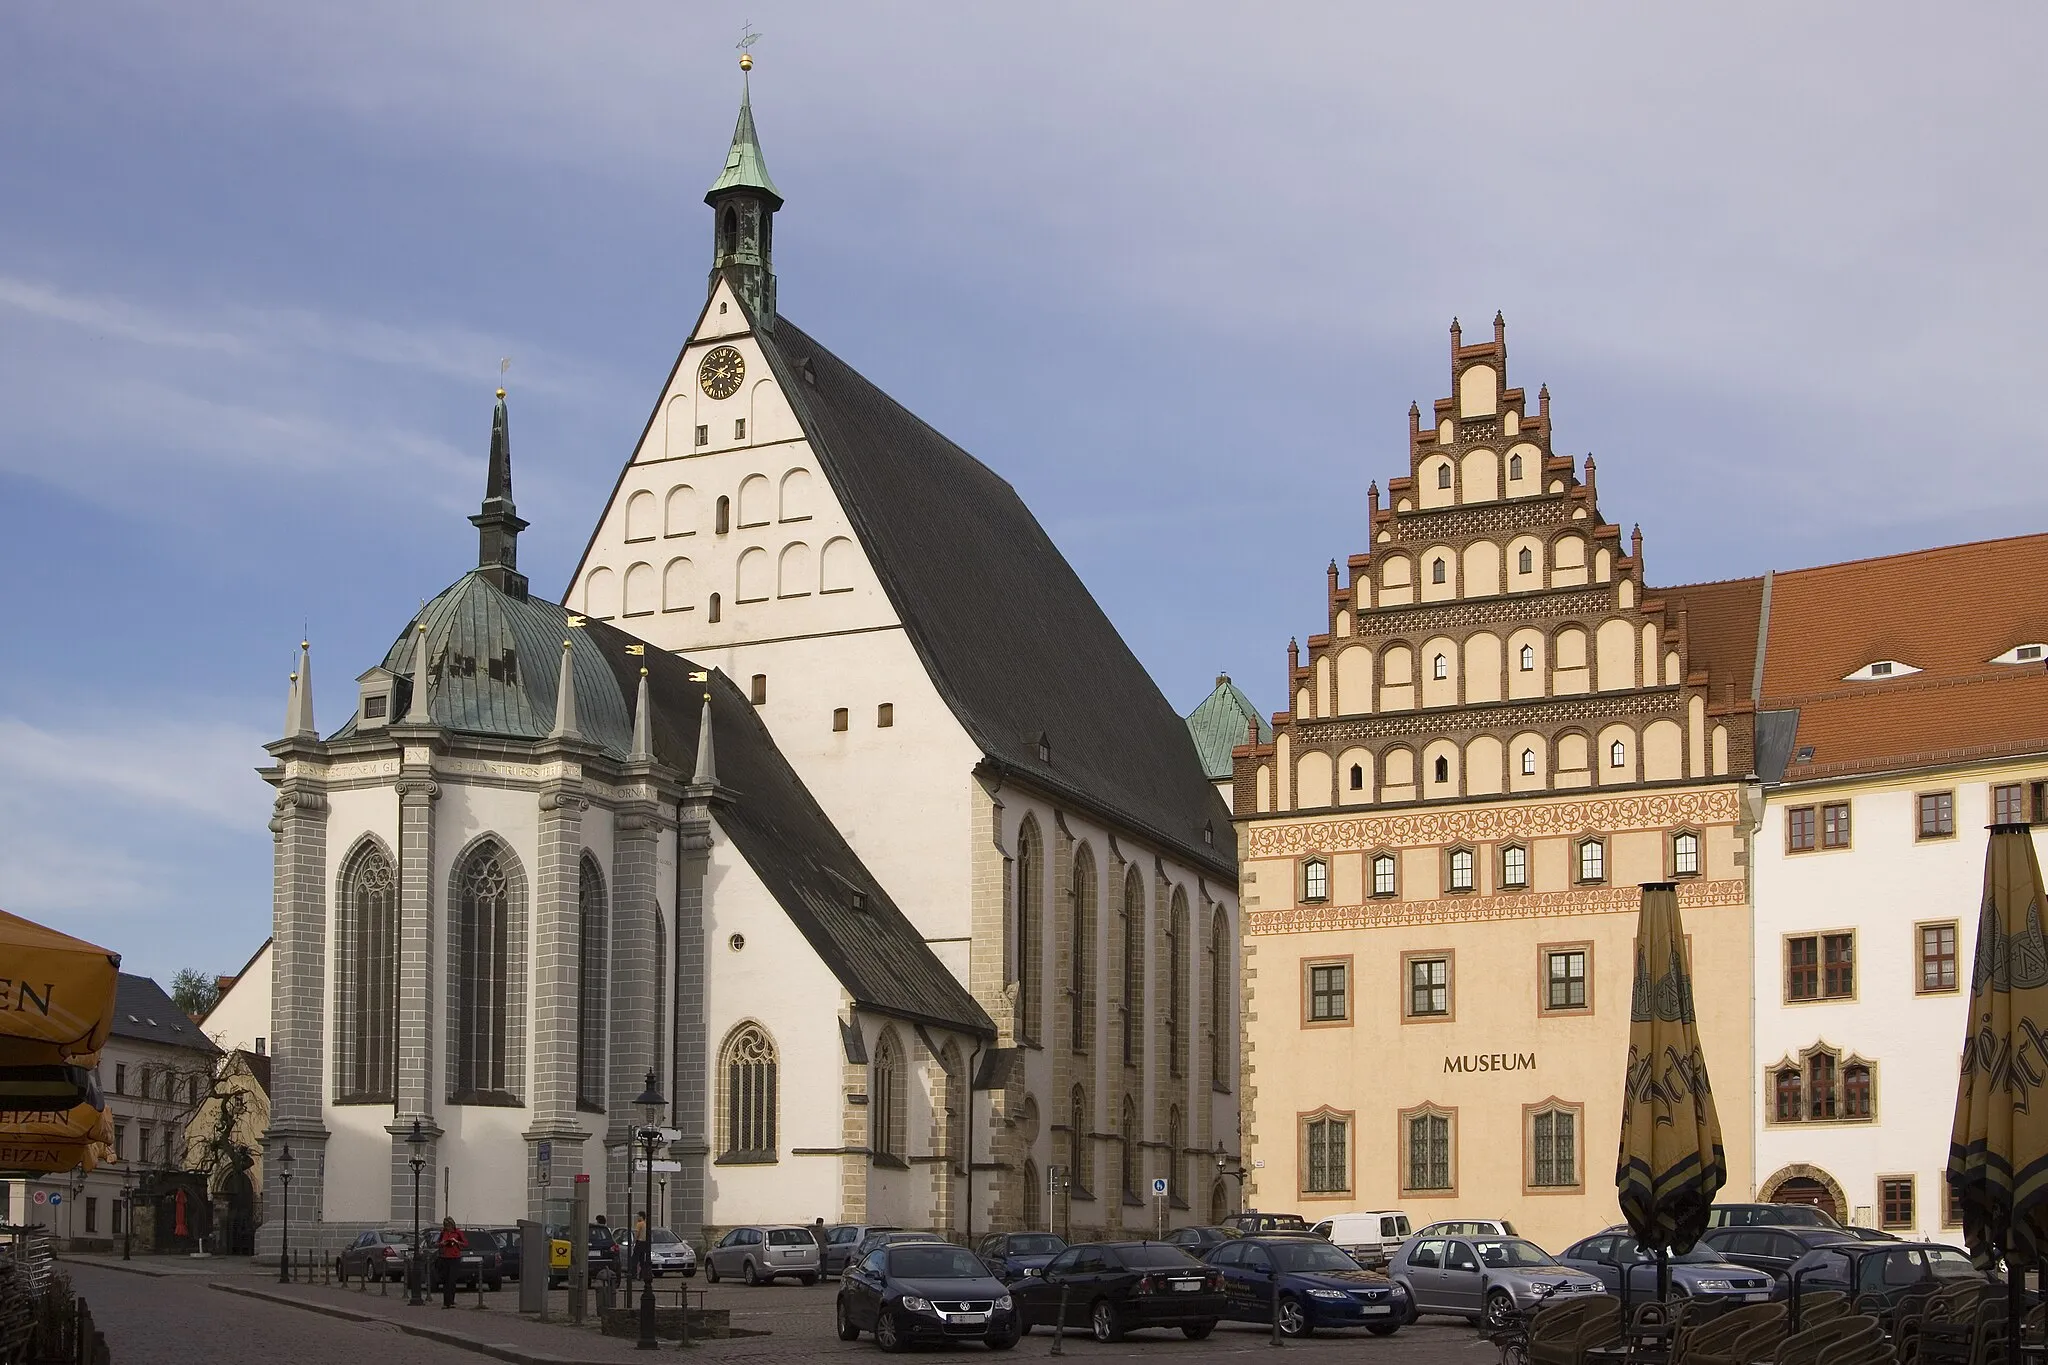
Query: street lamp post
284,1249
417,1141
651,1104
127,1220
1223,1167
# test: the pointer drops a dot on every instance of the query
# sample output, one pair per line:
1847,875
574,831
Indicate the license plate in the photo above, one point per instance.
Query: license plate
1375,1309
968,1318
1755,1298
1187,1286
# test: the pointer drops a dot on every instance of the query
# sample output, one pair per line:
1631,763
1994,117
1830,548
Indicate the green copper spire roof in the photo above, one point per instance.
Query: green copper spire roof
745,167
1221,723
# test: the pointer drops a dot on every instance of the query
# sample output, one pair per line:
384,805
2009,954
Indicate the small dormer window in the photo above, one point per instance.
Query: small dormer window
1879,669
377,707
859,900
1044,749
2023,654
1208,832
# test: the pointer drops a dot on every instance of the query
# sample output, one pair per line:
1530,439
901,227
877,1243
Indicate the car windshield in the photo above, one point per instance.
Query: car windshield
1155,1256
1309,1257
1948,1261
1036,1244
1628,1249
1508,1252
660,1235
483,1239
920,1262
788,1237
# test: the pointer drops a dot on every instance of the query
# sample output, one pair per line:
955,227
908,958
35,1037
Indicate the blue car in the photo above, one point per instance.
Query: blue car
1015,1255
1319,1286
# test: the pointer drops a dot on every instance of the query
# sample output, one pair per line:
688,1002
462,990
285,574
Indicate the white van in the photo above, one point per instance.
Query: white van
1371,1239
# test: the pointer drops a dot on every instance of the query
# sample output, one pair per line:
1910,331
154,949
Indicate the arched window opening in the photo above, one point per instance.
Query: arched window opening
1440,667
1176,1186
1528,762
1525,562
1079,1177
1855,1091
1127,1154
1461,869
1358,777
1315,880
752,1099
1033,1218
1514,866
1528,659
1443,476
592,939
480,943
1081,985
885,1102
1133,963
1219,1201
712,613
1685,854
1515,472
1030,985
1221,1017
1822,1100
1592,861
367,1013
1383,883
729,232
1436,570
722,522
1442,769
1617,755
1176,980
1785,1088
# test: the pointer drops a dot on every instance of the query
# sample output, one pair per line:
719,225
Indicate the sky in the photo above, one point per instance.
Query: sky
1175,270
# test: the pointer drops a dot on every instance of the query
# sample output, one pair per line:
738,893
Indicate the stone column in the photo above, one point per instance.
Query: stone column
418,1079
298,984
557,962
635,1033
690,1070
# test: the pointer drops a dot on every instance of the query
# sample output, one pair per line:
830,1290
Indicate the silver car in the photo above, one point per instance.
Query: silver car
764,1253
671,1253
1483,1277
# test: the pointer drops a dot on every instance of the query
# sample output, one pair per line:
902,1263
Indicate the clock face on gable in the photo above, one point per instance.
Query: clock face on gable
721,372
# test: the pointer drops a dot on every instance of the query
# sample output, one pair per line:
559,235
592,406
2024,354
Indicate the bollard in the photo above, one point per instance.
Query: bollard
1276,1308
479,1288
383,1282
1059,1324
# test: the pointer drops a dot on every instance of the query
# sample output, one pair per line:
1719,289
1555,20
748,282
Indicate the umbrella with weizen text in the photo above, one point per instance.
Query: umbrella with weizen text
56,996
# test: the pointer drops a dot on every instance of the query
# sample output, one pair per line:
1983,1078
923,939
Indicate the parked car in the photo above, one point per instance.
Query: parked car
605,1254
380,1251
670,1253
925,1291
1470,1227
1870,1234
1318,1285
1772,1250
1251,1220
1116,1287
1701,1273
889,1237
1483,1277
841,1239
1770,1215
1877,1275
1013,1255
1200,1241
483,1263
1371,1239
763,1254
510,1251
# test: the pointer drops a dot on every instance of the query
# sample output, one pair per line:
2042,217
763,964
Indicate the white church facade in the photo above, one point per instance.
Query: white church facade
837,805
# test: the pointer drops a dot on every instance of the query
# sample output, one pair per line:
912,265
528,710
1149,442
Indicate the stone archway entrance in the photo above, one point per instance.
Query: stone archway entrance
1809,1185
234,1221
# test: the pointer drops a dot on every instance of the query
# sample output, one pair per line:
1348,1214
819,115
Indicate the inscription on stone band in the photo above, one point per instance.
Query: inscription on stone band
1491,1061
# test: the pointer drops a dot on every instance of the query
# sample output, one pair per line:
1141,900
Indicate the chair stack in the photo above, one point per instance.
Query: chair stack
1562,1334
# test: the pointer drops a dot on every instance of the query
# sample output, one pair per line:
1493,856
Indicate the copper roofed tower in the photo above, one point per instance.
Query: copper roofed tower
497,522
744,201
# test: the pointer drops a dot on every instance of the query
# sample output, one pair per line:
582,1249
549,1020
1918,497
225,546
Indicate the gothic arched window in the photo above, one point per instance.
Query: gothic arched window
1528,654
1176,980
480,942
1176,1191
1221,1027
1127,1150
1134,962
1528,762
729,232
1032,1217
1617,755
1079,1176
1525,562
1443,476
1515,472
1436,571
749,1070
885,1101
592,939
1442,769
1030,948
1440,667
1081,984
1357,777
366,1013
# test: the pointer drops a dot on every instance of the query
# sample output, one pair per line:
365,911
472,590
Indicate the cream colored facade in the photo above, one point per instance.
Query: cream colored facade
1502,734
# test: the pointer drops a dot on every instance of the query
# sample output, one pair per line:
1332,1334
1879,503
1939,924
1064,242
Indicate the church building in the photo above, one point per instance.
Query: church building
972,724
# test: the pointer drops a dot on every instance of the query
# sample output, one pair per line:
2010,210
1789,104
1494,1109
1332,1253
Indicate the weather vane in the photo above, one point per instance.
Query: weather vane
748,37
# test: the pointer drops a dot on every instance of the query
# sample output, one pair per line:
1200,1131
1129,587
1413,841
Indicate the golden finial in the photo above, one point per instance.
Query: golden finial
295,677
746,61
501,393
643,670
305,644
747,39
566,646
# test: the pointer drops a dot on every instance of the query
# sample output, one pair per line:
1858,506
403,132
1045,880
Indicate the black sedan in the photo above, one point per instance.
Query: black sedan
1201,1241
1014,1255
1876,1275
1772,1250
925,1291
1111,1288
1317,1285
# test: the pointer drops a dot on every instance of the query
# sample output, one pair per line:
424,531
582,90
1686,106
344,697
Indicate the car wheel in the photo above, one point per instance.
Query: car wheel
747,1275
689,1272
1004,1340
887,1335
847,1331
1198,1331
1384,1329
1104,1322
711,1272
495,1283
1293,1318
1499,1304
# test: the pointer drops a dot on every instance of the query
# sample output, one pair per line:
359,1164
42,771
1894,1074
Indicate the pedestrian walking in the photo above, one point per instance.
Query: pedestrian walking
643,1250
449,1249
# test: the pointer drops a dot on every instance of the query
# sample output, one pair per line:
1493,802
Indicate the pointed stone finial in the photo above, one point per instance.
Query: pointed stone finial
706,772
1500,329
1543,402
1591,471
565,697
1222,681
417,714
1372,497
1293,660
1635,545
1457,336
291,707
1333,575
300,721
643,726
1414,418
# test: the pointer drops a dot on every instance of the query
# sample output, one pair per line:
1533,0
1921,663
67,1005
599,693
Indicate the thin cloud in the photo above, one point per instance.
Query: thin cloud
199,770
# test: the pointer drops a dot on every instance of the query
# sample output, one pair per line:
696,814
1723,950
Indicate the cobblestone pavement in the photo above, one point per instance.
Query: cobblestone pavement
180,1319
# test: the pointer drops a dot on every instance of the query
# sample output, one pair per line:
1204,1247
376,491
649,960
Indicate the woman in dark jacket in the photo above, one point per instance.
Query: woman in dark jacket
449,1249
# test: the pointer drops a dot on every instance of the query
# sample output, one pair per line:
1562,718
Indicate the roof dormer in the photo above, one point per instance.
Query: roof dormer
1879,669
2023,654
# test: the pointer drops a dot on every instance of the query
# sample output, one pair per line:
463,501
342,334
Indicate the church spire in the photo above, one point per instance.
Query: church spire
497,522
744,200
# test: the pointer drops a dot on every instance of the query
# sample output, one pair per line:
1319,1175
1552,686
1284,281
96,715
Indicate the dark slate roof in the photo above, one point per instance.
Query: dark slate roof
1777,735
143,1011
1011,637
792,845
1223,721
472,628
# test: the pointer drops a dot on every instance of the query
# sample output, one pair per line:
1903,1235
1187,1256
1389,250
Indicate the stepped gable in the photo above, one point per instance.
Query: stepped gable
1012,638
1491,542
1944,614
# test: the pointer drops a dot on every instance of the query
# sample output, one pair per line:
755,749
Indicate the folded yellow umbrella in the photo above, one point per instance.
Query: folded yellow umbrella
56,995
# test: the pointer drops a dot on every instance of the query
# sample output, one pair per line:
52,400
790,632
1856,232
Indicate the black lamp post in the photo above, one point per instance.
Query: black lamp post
1223,1167
127,1220
284,1251
417,1140
651,1104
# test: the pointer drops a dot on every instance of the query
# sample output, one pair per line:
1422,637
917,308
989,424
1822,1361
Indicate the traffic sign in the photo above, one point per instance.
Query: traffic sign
55,1200
42,1196
544,1162
1158,1187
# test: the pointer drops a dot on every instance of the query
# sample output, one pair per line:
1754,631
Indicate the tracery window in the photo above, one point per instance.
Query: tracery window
592,939
1176,980
1134,964
367,1009
1822,1086
1221,1023
481,942
1176,1175
1030,945
1081,986
885,1099
1079,1173
752,1100
1127,1153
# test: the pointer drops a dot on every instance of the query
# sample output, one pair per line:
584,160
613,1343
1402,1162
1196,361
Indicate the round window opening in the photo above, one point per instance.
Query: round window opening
736,942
